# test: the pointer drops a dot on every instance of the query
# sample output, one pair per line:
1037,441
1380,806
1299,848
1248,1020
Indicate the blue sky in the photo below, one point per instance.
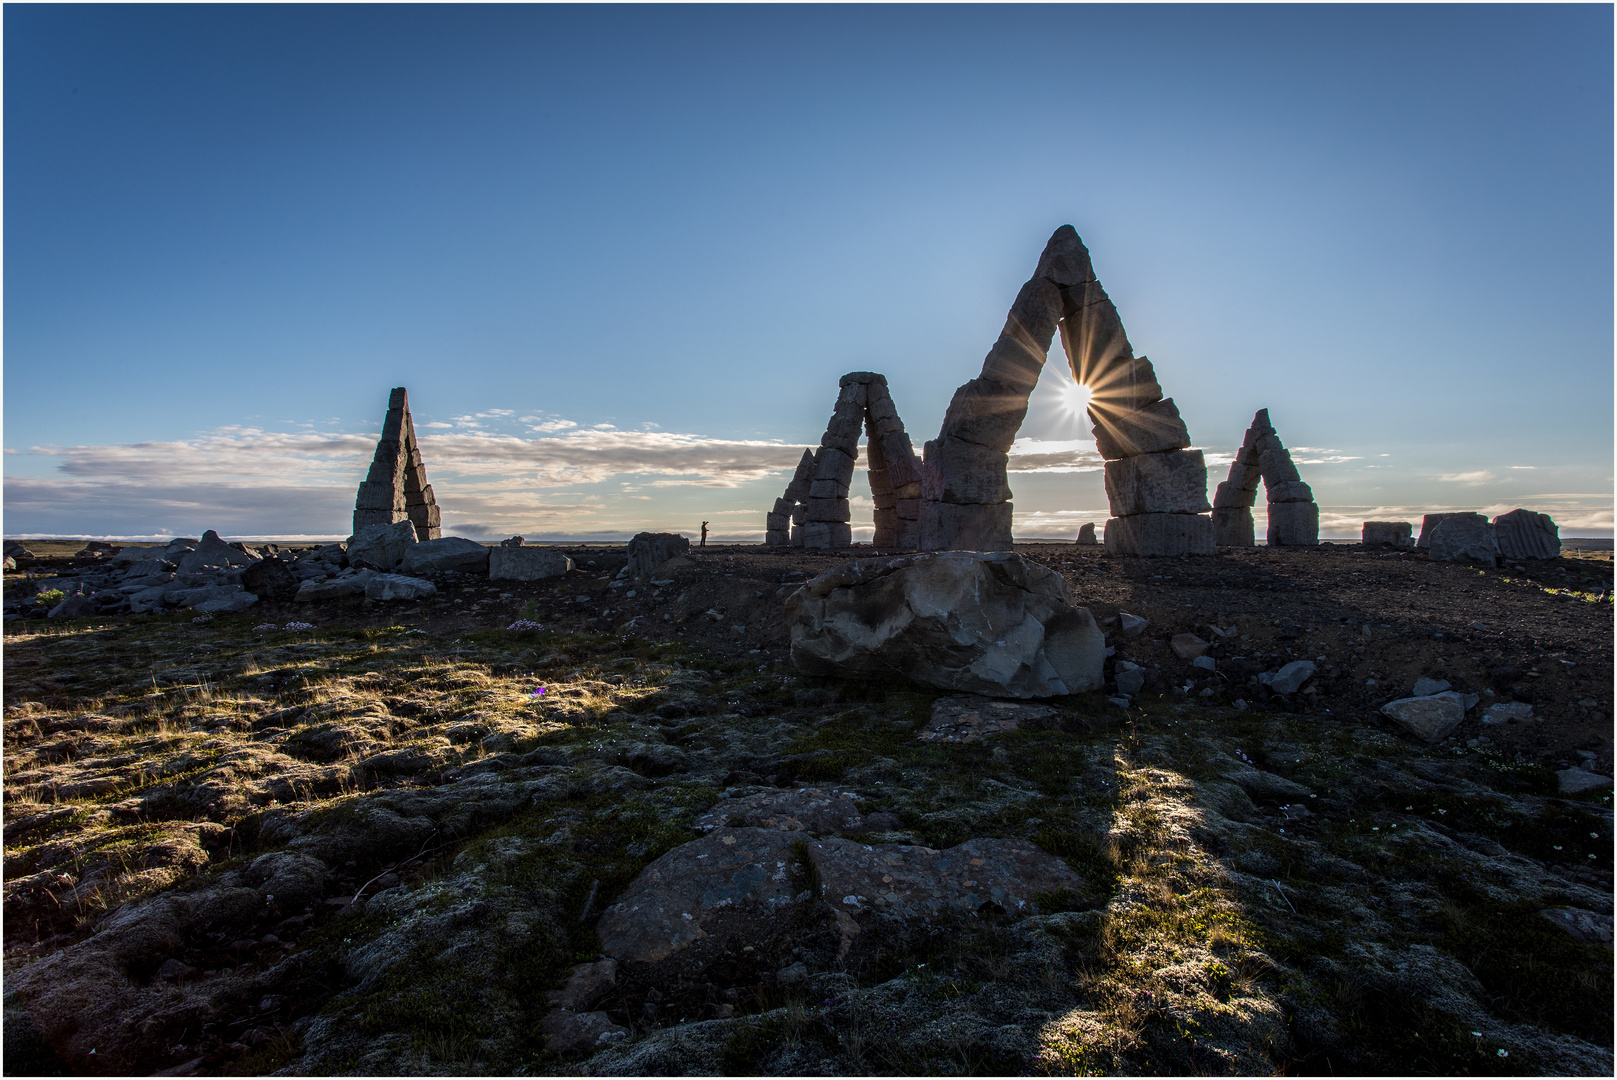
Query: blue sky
620,254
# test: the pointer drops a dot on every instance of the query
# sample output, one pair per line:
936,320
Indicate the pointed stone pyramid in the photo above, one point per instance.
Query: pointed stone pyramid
1156,485
1293,514
396,488
814,511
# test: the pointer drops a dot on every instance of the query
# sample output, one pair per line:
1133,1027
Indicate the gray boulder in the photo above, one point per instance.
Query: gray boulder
398,586
15,549
1589,927
348,583
1463,538
526,563
1523,534
647,551
1573,781
1428,718
381,546
448,553
73,607
211,599
213,552
988,623
1086,534
1426,686
1289,679
1398,535
271,579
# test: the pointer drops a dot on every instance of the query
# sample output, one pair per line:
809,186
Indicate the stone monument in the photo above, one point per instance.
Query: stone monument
1156,485
396,488
1293,514
814,512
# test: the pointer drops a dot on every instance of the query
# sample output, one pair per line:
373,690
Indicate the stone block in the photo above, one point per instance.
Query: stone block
834,464
1172,482
828,489
907,536
649,550
885,519
965,526
374,496
1464,538
777,537
1015,363
827,535
864,378
841,534
526,564
1159,535
1244,476
1093,336
796,538
1229,495
1277,467
910,507
1233,527
987,413
777,522
1150,430
826,510
797,489
1289,492
1523,534
1427,524
955,471
398,587
799,514
381,545
1126,385
910,492
1293,525
1429,718
898,457
1086,535
1394,534
783,506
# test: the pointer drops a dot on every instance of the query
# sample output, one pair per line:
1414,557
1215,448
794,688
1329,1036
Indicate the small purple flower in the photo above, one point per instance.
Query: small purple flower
538,693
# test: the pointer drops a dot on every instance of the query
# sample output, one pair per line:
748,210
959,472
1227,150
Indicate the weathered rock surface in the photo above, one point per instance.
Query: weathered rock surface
1233,526
1172,482
567,1032
269,579
526,564
348,583
449,553
1086,534
1573,781
1398,535
1159,535
1523,534
213,553
810,809
1463,538
981,622
963,718
693,890
1290,678
381,547
1430,717
647,551
1589,927
585,986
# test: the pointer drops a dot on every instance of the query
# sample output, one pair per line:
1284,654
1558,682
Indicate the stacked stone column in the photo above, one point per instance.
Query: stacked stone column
814,512
1293,514
396,487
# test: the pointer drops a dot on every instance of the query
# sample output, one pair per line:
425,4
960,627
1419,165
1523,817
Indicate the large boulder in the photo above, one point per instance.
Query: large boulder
985,622
647,551
213,552
270,579
526,563
398,587
1430,717
1398,535
1464,538
451,553
1523,534
381,547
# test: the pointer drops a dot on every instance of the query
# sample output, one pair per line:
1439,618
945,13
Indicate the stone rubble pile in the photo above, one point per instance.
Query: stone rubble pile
1157,486
814,511
396,488
1293,514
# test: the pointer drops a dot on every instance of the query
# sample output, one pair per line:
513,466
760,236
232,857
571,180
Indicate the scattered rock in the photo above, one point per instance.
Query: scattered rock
792,974
982,622
1204,663
1290,678
1426,686
1132,626
1573,781
1507,712
962,718
1130,678
1428,718
1189,646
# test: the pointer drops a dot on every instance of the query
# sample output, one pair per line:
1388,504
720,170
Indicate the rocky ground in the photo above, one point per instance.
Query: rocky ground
402,837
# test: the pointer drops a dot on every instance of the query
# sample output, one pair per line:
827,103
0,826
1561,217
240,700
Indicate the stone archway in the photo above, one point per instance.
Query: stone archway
1293,514
1156,485
814,511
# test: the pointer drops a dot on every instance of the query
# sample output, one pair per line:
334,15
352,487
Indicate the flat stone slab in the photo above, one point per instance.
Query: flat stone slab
1430,717
812,810
902,881
1573,781
685,895
963,718
1589,927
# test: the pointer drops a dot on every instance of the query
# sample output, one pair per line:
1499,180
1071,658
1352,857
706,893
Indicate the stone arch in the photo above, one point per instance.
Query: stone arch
814,511
396,488
1156,485
1293,514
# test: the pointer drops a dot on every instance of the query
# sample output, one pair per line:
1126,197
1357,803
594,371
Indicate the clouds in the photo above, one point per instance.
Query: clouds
1474,478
